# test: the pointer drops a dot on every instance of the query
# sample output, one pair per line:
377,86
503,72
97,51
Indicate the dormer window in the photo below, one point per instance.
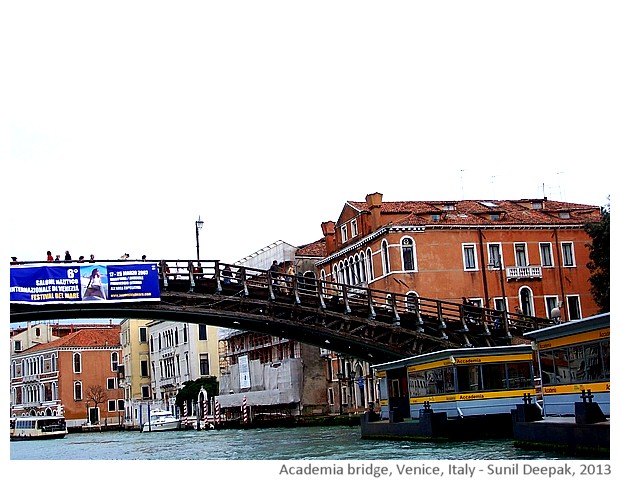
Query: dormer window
537,205
354,231
435,217
494,216
564,215
343,233
449,206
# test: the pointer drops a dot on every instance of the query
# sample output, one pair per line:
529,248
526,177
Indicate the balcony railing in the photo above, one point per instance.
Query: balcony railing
516,273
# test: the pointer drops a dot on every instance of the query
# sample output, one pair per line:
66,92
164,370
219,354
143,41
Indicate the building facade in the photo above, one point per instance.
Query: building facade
76,375
135,379
179,352
525,256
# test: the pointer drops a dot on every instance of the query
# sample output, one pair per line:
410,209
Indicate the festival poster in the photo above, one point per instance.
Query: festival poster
92,282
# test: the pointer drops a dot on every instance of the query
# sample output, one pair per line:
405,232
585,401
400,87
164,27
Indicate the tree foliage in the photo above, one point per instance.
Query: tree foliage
599,264
191,388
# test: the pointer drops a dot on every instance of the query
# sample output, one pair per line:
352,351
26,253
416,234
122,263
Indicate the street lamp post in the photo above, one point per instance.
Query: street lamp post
340,375
199,224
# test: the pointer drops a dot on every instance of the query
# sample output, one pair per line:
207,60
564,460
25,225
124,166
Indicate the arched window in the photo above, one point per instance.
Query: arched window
369,270
347,272
412,302
357,276
54,363
77,390
527,301
114,361
362,267
77,363
407,249
385,257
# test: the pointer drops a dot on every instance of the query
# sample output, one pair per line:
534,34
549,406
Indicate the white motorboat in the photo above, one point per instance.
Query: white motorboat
161,420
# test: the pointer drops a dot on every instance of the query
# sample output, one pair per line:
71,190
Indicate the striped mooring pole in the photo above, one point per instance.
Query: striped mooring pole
217,412
245,410
185,414
204,409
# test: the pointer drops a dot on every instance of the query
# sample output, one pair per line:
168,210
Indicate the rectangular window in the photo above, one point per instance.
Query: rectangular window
144,368
550,303
500,304
146,392
494,376
202,332
18,345
354,228
111,405
574,307
468,378
521,254
204,364
495,255
546,256
330,396
567,254
343,233
120,404
142,334
111,383
469,257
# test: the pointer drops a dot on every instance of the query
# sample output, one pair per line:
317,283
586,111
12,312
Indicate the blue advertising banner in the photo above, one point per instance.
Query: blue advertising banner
84,282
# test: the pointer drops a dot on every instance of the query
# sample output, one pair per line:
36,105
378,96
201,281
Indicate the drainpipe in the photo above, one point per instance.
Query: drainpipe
484,270
559,257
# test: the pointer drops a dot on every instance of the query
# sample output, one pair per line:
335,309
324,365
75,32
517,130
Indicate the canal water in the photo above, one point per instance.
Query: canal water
300,443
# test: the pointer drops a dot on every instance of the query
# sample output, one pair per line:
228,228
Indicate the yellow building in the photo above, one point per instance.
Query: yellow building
136,375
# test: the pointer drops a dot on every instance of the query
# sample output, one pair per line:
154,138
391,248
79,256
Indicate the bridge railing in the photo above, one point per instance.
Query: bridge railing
377,304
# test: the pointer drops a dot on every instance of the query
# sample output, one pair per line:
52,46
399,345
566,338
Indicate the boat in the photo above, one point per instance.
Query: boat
161,420
450,395
38,427
574,362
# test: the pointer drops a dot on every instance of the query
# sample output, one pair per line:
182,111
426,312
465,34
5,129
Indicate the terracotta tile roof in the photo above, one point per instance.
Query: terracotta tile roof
468,212
92,337
314,249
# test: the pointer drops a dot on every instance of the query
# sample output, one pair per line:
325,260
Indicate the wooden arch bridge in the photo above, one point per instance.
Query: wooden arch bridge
369,324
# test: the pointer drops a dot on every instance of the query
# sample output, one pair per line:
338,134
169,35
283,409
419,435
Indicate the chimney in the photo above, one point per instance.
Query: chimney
374,200
329,232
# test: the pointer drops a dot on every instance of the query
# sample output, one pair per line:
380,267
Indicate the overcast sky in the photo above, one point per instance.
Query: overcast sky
128,120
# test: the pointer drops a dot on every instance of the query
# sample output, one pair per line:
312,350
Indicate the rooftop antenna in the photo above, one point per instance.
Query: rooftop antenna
560,185
493,186
462,191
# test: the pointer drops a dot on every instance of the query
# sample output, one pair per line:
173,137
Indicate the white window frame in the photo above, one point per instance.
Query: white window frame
78,355
414,255
572,254
343,233
75,384
470,246
540,249
557,303
354,231
525,254
492,264
385,257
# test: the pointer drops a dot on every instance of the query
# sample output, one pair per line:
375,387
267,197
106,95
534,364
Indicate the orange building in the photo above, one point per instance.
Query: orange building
76,374
527,255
